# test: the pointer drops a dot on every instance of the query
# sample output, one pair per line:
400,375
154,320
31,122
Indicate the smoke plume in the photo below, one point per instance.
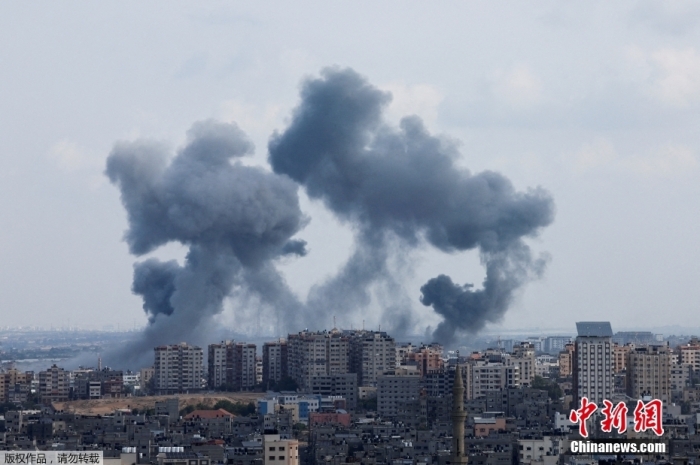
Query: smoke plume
399,188
402,182
233,218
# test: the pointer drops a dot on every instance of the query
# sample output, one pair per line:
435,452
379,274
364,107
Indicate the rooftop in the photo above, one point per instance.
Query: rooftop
594,328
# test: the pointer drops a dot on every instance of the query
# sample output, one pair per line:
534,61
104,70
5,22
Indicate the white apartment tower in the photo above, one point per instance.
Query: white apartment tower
593,361
178,369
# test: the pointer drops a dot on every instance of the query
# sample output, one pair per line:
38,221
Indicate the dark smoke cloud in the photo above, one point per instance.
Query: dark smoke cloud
235,219
398,188
403,182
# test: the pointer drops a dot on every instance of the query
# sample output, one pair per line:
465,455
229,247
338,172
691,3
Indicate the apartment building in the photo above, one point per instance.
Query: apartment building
690,354
54,385
593,361
277,451
178,369
395,390
232,366
15,385
620,353
372,353
439,383
555,344
648,372
344,385
523,357
425,358
317,354
566,360
274,361
492,376
680,376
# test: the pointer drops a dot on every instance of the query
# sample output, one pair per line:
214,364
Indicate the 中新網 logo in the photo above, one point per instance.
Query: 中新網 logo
647,416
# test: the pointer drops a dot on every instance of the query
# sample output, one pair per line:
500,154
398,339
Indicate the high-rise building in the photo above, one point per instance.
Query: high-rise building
317,354
554,344
15,385
231,365
523,357
566,360
620,353
395,390
648,372
98,384
178,369
218,373
438,384
344,385
426,358
402,351
491,377
274,361
593,361
690,354
372,353
54,385
680,376
146,375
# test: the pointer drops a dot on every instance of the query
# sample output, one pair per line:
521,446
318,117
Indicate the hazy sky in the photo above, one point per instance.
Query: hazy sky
596,102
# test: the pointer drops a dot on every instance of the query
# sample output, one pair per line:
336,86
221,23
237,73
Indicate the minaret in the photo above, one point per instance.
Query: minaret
458,418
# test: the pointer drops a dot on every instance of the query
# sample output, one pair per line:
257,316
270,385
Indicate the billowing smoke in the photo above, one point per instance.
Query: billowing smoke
399,188
235,219
403,183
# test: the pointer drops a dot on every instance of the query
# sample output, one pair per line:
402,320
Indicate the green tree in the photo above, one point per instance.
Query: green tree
284,384
552,388
367,405
237,408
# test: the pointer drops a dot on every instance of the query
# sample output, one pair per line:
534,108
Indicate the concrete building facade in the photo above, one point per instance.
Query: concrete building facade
395,389
372,353
232,366
274,361
54,385
316,354
593,362
178,369
648,372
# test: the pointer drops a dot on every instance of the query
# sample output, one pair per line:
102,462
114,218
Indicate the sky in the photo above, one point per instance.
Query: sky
596,103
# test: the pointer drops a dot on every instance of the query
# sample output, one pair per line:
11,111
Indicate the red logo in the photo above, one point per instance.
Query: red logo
647,416
581,415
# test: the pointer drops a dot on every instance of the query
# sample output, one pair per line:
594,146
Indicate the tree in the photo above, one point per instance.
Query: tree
367,405
284,384
552,388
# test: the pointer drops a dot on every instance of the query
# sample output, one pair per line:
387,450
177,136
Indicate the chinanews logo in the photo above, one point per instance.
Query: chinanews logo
647,416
